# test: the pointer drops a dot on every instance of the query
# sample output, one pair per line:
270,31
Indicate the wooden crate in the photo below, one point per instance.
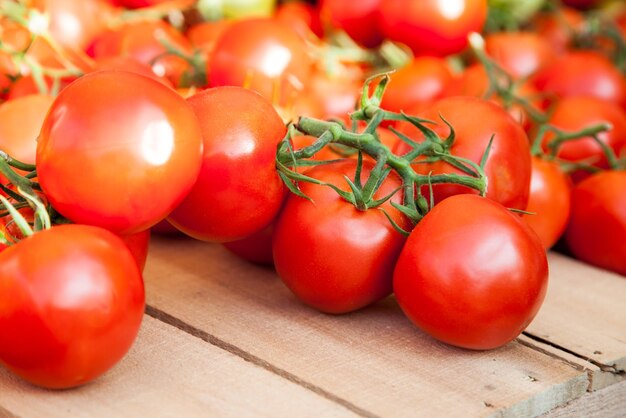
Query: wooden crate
222,337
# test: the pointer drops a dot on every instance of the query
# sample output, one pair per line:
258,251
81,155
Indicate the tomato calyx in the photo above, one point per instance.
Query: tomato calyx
433,148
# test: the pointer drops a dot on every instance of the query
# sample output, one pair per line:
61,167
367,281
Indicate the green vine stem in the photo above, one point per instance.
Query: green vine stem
432,148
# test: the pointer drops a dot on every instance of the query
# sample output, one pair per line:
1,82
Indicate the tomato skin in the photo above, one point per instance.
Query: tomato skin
360,20
118,150
238,191
508,165
576,113
261,54
255,248
582,73
303,17
596,233
138,244
471,273
422,80
549,200
72,311
332,256
432,27
520,54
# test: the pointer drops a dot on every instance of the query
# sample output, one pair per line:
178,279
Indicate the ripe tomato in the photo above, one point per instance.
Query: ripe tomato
303,17
238,191
256,248
576,113
337,93
471,273
118,150
422,80
558,28
475,121
20,122
596,233
582,73
332,256
73,301
432,27
521,54
138,244
550,190
265,56
360,20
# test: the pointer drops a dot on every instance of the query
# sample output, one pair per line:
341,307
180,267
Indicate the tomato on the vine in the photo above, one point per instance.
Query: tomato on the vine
432,27
313,241
118,150
73,301
475,122
596,232
549,201
471,273
238,191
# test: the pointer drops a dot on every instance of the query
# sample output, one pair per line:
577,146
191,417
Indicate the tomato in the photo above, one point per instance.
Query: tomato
558,28
204,36
337,93
583,73
475,121
474,81
238,191
432,27
549,200
143,41
138,244
256,248
118,150
422,80
73,301
20,122
360,20
332,256
303,17
596,233
126,63
520,54
471,273
576,113
265,56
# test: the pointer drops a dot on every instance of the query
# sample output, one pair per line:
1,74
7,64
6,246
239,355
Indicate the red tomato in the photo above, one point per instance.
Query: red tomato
474,81
265,56
471,274
521,54
432,27
583,73
424,79
337,93
238,191
118,150
558,28
549,200
73,301
596,233
142,40
303,17
20,122
138,244
256,248
126,63
332,256
360,20
576,113
475,121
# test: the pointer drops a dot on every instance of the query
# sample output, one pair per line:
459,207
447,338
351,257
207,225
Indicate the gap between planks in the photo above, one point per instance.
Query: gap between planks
251,358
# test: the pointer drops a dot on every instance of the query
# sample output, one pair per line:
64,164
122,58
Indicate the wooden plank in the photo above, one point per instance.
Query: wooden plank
609,402
584,314
169,373
373,360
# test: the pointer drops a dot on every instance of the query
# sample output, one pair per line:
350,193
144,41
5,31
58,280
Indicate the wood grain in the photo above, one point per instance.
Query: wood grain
169,373
609,402
584,314
373,362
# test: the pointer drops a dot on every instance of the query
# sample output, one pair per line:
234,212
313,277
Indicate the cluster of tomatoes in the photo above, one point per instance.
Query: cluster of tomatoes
259,127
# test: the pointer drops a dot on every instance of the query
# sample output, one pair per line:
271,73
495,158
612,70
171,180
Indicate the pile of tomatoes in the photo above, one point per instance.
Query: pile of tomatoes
434,150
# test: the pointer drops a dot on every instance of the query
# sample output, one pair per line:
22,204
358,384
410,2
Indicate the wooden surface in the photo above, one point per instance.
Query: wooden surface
226,338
